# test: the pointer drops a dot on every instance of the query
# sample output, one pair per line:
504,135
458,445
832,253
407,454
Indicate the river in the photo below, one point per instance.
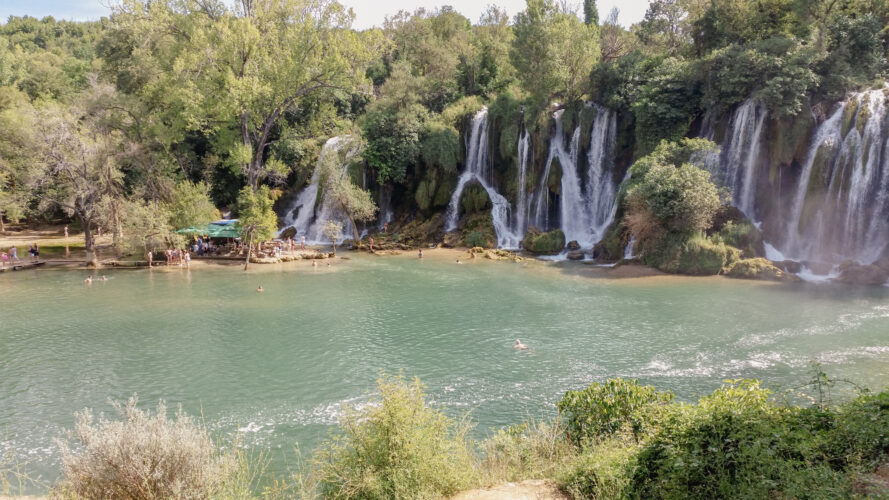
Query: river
280,365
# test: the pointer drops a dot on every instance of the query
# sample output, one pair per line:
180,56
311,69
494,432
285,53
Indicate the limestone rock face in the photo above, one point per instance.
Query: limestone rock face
573,245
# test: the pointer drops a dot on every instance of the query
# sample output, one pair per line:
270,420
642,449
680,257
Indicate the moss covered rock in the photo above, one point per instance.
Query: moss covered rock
697,256
544,243
756,269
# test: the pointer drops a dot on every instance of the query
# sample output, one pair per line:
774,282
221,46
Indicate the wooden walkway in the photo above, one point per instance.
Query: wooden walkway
21,265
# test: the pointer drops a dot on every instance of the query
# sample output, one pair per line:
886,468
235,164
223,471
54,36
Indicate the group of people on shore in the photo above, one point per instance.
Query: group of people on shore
11,256
178,256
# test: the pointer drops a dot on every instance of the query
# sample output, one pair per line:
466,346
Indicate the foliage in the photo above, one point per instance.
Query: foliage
147,456
553,51
529,450
679,195
776,71
441,147
256,217
601,471
610,407
665,104
341,190
333,230
396,447
737,443
191,205
544,243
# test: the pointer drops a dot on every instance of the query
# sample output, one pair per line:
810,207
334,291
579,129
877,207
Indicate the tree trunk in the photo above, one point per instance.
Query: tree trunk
117,231
89,245
2,227
355,234
249,250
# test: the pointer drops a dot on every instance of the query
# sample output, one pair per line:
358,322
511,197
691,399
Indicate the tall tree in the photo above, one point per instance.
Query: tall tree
553,51
590,12
74,159
249,65
355,202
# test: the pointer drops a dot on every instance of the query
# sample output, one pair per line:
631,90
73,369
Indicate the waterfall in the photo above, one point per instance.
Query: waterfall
735,168
840,206
303,215
520,224
477,170
630,249
585,209
601,189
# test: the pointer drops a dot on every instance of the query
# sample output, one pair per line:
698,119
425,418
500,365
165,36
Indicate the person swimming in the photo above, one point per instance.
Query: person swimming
89,279
458,261
104,278
259,289
314,263
519,345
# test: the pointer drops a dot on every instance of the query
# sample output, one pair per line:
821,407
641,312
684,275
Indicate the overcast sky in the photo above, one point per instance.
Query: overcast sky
369,12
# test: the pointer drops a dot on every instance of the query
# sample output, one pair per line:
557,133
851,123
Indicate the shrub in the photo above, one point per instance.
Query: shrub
544,243
862,434
701,256
440,146
531,450
602,471
396,448
145,456
744,236
737,444
607,408
479,239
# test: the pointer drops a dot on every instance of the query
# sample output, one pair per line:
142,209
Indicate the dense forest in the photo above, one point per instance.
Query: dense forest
150,119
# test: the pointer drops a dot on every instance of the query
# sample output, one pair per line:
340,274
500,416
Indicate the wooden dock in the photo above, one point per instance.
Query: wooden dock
21,265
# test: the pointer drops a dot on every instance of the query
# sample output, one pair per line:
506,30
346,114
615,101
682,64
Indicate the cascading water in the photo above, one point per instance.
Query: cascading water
520,219
629,250
477,170
735,168
303,215
601,189
841,204
585,210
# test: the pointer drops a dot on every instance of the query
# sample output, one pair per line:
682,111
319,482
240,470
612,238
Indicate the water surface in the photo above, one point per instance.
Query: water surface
280,365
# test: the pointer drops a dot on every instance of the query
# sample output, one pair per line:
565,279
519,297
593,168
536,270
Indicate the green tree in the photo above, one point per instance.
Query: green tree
333,230
191,205
590,12
249,66
553,51
678,194
355,202
257,220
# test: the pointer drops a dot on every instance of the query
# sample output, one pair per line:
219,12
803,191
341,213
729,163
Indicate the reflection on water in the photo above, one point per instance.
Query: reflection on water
280,365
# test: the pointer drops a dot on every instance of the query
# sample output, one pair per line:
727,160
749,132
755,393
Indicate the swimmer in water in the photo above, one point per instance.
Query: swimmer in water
259,289
519,345
458,261
89,279
420,254
104,278
314,263
328,263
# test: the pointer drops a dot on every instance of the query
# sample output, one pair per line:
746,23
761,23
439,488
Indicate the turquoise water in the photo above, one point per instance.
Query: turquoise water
279,366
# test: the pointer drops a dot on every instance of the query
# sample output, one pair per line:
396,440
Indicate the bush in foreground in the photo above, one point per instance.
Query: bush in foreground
148,456
396,448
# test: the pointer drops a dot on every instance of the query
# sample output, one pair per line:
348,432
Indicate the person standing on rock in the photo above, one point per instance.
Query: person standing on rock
148,258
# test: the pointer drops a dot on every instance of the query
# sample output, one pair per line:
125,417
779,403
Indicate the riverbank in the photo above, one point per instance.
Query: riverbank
58,252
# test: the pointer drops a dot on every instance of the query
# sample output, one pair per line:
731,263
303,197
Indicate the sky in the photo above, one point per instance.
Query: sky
368,12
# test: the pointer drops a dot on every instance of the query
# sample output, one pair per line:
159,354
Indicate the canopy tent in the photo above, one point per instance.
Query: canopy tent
218,229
